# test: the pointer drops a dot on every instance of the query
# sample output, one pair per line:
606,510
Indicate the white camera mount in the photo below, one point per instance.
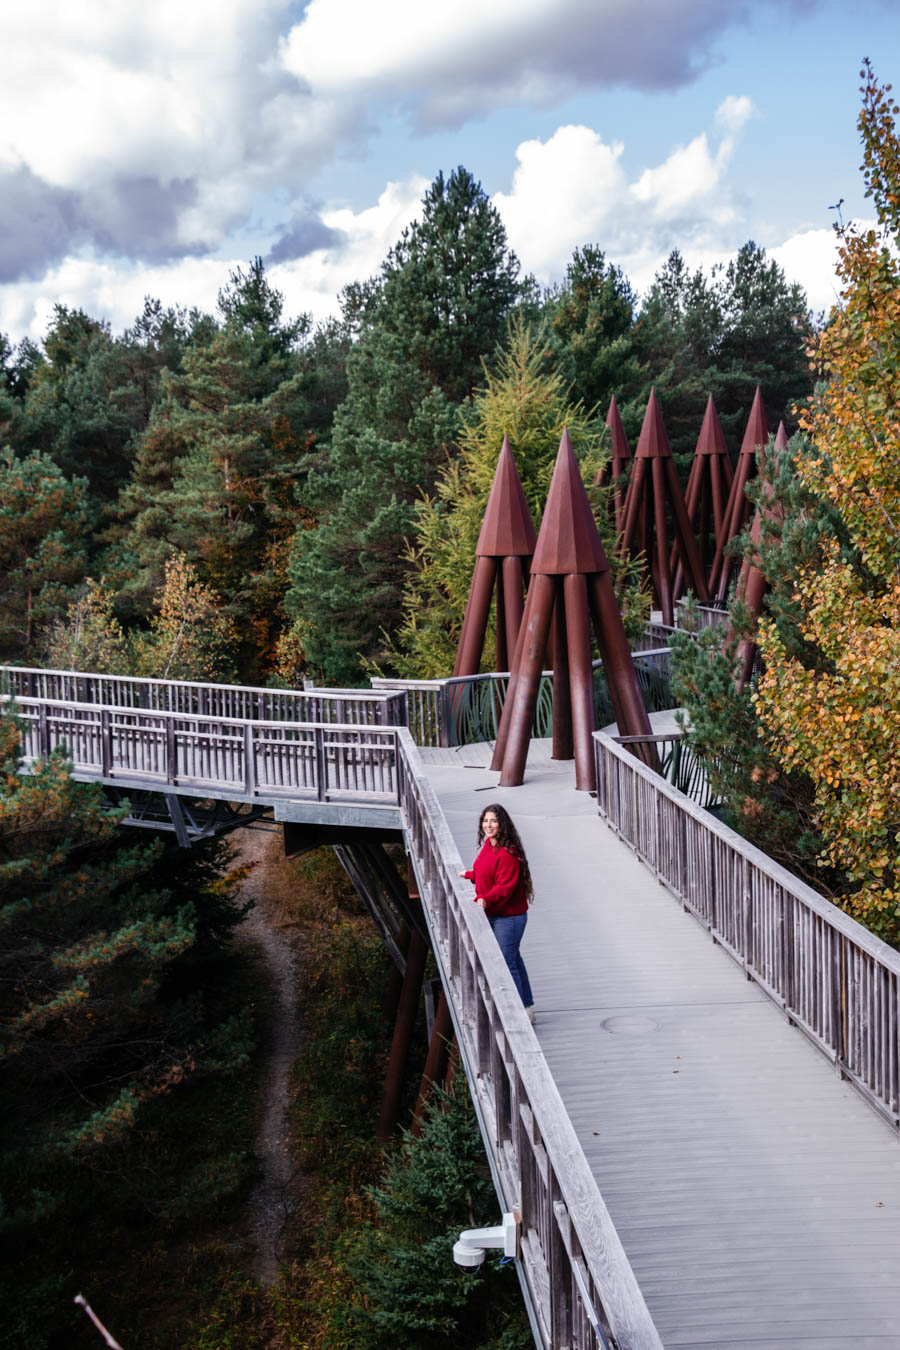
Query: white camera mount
473,1242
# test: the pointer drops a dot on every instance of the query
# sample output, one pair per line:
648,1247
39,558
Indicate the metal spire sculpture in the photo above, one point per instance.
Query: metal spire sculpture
616,469
504,548
654,483
571,584
737,512
752,584
706,496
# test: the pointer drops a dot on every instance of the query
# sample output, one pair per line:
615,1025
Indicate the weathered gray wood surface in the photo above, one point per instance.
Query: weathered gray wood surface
757,1196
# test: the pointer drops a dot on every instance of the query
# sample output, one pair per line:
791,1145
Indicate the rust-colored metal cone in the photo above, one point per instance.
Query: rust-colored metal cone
621,452
653,442
781,437
568,541
756,437
507,529
711,441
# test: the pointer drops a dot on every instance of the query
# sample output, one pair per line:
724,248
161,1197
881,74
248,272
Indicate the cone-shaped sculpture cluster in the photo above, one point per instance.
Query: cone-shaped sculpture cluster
737,512
504,547
655,497
570,589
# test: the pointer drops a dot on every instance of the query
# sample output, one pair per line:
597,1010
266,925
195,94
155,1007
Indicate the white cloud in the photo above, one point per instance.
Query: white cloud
115,290
810,257
154,131
572,189
183,107
448,59
567,191
311,284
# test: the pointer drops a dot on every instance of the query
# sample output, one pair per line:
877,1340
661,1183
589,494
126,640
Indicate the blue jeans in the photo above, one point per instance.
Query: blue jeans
508,931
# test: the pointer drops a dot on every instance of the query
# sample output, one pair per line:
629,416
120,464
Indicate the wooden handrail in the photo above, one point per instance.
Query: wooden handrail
581,1283
829,974
244,757
366,706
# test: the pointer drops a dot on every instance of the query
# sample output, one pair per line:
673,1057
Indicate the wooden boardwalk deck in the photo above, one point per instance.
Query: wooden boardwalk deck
756,1194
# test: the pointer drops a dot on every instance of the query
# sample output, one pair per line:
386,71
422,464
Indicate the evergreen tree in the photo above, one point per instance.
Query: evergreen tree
589,322
69,412
216,469
438,309
744,326
44,522
525,398
409,1291
104,960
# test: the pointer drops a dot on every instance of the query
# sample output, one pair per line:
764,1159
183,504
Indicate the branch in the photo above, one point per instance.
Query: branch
110,1340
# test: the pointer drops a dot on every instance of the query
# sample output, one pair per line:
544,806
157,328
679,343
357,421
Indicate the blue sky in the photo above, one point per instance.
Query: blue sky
150,152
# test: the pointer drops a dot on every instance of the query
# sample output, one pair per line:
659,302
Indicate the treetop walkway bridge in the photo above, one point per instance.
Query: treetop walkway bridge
686,1133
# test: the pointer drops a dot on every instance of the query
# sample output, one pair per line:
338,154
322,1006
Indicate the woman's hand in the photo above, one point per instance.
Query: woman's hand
463,875
479,900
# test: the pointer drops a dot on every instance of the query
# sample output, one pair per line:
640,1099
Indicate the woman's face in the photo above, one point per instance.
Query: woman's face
490,826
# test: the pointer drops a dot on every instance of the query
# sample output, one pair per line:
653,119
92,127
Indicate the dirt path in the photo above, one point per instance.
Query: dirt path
281,1181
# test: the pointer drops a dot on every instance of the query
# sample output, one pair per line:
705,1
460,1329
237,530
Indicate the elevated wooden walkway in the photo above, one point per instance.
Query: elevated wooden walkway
757,1196
687,1133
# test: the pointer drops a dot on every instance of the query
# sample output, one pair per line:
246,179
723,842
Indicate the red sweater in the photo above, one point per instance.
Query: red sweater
497,874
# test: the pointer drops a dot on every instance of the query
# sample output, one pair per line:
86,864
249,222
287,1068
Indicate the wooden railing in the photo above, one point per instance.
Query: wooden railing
832,977
583,1290
654,637
239,758
363,707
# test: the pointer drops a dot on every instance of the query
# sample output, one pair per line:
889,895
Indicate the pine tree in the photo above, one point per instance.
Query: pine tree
437,309
743,326
527,399
409,1291
101,1002
590,320
44,527
217,467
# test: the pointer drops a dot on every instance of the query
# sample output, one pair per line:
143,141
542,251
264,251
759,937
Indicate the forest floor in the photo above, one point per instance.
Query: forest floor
271,931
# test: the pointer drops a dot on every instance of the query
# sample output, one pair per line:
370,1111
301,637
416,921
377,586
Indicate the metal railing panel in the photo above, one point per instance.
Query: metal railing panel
829,974
465,709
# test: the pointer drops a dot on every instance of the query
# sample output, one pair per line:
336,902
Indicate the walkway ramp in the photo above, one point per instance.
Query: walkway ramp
756,1194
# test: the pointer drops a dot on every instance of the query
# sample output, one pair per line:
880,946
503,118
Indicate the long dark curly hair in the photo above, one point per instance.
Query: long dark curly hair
508,838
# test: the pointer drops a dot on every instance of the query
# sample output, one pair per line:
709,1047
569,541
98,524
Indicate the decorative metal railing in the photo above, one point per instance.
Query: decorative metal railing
830,975
583,1290
363,707
249,759
463,710
678,765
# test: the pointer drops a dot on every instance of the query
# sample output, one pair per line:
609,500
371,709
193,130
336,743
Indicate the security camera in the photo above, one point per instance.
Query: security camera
469,1250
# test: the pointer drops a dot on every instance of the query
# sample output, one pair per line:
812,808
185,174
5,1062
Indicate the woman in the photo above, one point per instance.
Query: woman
504,891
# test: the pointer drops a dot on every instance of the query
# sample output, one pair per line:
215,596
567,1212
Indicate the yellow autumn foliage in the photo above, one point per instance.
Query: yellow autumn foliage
841,725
